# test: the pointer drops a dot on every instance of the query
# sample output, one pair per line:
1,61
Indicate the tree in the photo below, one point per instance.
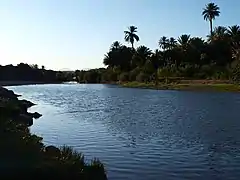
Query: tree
163,43
234,35
219,33
141,55
156,62
115,46
210,12
234,31
172,42
131,36
184,40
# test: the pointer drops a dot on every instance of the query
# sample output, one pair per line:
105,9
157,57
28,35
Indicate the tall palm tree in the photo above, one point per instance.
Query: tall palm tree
163,43
210,12
131,36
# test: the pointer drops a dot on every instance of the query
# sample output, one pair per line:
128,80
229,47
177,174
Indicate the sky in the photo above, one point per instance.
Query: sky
75,34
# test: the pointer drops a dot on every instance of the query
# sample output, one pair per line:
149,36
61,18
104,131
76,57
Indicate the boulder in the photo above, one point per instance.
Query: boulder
35,115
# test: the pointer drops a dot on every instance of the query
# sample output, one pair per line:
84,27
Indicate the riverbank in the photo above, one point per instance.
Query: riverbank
19,83
202,85
23,154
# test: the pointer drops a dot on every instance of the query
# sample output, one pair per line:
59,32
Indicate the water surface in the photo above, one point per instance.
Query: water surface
143,134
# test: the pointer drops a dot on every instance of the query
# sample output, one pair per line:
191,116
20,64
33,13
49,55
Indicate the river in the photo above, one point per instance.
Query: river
142,134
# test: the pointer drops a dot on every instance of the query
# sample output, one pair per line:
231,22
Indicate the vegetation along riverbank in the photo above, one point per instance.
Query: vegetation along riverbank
24,74
215,57
23,154
197,86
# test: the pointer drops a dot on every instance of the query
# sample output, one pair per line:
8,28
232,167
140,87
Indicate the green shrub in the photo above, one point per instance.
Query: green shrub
133,74
142,77
123,77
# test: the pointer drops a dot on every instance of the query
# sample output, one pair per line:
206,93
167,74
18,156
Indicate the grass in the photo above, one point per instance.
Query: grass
222,87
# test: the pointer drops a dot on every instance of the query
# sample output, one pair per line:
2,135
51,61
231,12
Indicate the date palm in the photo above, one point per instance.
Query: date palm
131,36
234,32
210,12
184,41
115,45
141,55
172,43
163,43
219,33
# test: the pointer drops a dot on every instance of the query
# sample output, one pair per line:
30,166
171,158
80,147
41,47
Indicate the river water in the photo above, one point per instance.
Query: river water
142,134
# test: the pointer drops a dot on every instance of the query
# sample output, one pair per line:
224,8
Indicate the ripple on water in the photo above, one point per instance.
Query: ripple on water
143,134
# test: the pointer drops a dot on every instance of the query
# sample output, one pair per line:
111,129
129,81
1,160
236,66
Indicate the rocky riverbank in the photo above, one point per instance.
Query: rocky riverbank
23,154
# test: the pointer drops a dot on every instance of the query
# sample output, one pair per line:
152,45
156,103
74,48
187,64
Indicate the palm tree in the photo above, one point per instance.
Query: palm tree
163,43
184,40
155,62
172,42
219,33
210,12
234,32
115,46
141,55
131,36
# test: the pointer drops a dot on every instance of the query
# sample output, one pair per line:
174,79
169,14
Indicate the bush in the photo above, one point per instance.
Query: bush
189,70
109,76
133,74
123,77
235,75
142,77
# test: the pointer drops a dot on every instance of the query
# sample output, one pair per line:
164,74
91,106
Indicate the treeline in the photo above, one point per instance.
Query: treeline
215,57
26,72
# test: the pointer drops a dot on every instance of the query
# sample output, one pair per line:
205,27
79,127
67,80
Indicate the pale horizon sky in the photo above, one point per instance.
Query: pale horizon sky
75,34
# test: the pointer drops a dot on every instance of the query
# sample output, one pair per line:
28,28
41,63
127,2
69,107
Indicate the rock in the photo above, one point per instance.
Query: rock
52,151
25,119
35,115
5,93
26,103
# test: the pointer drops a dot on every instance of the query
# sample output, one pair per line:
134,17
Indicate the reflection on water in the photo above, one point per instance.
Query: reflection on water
140,133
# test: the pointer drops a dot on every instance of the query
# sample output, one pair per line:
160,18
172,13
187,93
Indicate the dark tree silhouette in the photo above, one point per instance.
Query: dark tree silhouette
210,12
131,36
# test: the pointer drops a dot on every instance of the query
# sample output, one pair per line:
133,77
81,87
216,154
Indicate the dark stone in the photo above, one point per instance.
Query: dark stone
35,115
26,104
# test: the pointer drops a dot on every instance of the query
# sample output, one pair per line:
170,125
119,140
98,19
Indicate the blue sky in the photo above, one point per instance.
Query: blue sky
75,34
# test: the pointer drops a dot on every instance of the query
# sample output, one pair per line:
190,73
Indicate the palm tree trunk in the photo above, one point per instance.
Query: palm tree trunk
211,27
132,46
